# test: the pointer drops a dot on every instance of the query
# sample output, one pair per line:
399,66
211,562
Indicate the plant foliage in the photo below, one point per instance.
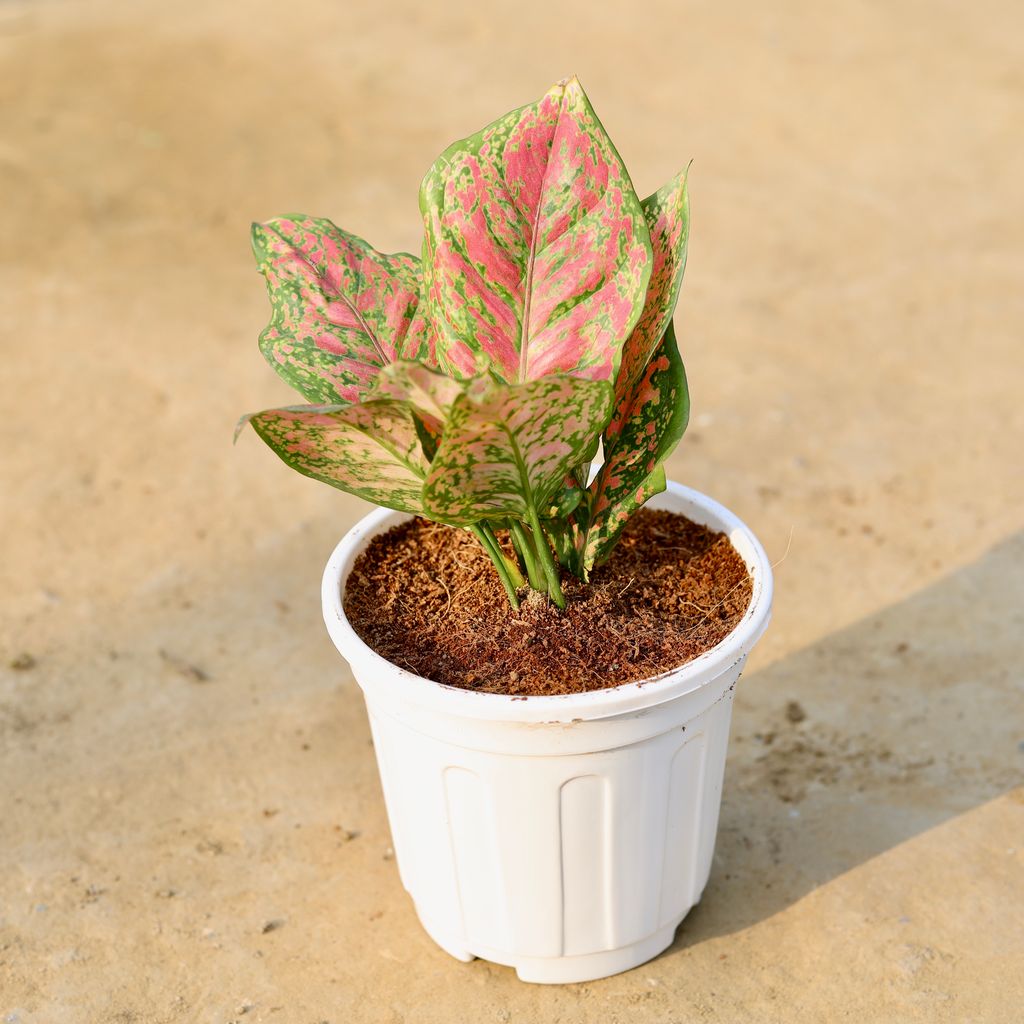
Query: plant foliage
473,386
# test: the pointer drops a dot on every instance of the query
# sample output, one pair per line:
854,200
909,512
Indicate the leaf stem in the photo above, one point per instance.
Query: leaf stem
546,558
513,570
524,545
495,555
565,537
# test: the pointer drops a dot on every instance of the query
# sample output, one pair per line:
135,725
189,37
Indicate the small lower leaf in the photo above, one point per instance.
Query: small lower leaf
428,391
566,500
371,450
507,448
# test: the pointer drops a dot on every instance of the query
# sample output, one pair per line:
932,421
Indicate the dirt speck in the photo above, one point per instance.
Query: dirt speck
92,894
795,712
187,669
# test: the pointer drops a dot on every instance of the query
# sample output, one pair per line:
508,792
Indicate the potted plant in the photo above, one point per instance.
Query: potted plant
567,834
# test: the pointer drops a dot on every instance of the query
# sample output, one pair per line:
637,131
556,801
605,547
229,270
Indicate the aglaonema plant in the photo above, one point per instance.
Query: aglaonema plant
474,386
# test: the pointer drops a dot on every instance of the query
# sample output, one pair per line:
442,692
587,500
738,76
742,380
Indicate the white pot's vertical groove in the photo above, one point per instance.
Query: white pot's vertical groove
679,889
564,836
476,855
586,862
712,777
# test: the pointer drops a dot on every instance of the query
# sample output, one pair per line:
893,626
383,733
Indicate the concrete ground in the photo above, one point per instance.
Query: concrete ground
192,828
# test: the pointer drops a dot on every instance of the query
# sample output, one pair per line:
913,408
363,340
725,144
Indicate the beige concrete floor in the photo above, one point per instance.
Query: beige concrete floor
187,755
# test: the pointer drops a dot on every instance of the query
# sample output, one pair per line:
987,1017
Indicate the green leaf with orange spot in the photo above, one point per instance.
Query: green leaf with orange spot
371,450
667,213
652,420
651,398
537,254
507,448
340,309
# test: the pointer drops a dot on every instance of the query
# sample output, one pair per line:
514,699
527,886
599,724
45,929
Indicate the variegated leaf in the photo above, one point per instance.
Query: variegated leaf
653,419
340,309
651,398
537,254
428,391
668,219
371,450
565,500
507,448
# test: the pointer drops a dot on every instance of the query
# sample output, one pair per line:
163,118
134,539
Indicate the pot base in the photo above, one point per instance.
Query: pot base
566,970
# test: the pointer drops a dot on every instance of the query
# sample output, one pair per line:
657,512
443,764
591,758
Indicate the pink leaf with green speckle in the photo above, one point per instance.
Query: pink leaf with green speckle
508,447
340,309
537,254
372,450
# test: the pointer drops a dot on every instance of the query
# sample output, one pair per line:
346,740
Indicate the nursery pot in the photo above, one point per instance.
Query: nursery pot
564,836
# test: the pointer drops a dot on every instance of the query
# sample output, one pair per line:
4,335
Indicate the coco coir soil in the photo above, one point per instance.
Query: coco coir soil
427,598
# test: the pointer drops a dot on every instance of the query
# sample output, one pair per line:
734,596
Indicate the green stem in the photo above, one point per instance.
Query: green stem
565,539
546,558
513,570
498,559
527,552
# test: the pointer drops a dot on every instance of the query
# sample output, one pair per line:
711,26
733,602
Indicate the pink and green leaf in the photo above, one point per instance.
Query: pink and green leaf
545,294
430,392
340,309
537,254
667,213
507,449
652,420
371,450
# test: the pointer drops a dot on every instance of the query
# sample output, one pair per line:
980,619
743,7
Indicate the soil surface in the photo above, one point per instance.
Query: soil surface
427,597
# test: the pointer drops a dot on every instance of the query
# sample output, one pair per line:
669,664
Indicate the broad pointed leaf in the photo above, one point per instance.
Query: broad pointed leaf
371,450
340,309
667,213
507,448
537,254
653,419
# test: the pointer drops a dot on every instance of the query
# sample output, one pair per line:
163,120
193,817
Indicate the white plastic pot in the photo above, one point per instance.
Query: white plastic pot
563,836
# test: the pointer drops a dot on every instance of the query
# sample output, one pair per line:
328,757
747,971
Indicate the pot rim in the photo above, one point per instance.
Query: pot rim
386,679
